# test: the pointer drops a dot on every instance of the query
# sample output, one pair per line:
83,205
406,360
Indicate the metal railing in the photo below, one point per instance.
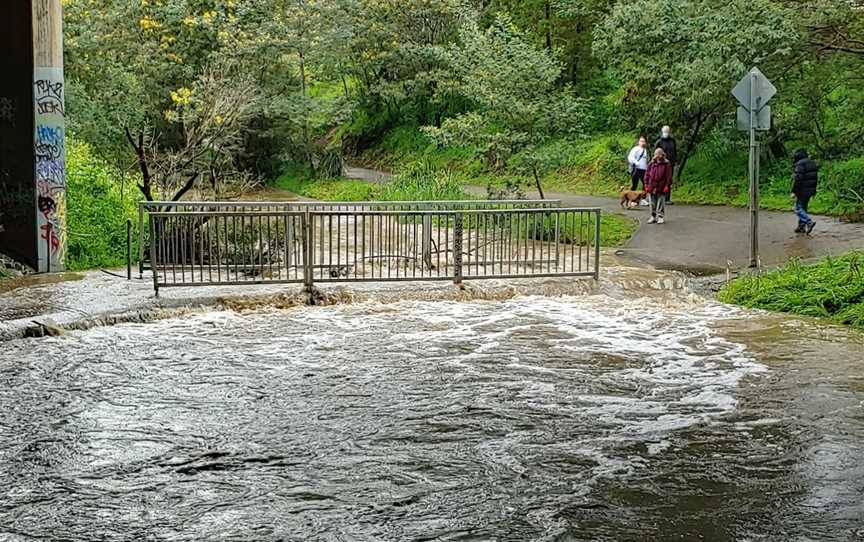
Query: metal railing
229,247
147,207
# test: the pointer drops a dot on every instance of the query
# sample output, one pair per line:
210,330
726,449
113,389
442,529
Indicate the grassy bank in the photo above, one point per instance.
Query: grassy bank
421,181
832,289
716,175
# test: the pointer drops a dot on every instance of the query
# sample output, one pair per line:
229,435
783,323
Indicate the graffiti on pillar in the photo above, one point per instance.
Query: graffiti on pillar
50,162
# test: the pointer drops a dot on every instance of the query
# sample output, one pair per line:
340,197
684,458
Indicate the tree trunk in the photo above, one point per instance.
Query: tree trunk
702,118
548,18
145,186
307,142
537,181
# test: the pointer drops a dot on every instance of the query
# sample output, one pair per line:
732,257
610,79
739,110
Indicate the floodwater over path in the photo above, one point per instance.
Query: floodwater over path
591,417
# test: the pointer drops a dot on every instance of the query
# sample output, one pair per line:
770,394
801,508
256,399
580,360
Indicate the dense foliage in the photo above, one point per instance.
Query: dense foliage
832,288
98,207
212,95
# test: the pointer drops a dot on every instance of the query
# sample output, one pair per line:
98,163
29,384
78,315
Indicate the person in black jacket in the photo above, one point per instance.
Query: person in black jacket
805,181
670,147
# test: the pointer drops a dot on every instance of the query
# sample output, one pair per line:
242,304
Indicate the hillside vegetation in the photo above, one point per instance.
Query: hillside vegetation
209,98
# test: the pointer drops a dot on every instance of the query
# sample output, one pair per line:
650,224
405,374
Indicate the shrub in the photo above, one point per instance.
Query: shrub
421,181
96,211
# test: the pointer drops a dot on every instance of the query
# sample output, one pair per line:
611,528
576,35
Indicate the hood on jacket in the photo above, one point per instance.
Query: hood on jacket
800,154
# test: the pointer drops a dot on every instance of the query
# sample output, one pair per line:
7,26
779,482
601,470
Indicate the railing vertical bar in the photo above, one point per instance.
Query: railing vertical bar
398,239
559,224
363,245
307,224
457,248
141,241
154,262
389,249
270,244
446,244
379,251
354,244
261,254
234,248
414,251
190,228
321,262
338,248
172,248
531,232
209,230
597,245
437,246
578,241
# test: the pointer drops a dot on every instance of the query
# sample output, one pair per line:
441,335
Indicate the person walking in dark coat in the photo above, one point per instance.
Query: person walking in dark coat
658,183
670,148
805,181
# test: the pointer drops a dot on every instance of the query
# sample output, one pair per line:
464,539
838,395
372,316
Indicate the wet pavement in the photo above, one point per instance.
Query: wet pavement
619,411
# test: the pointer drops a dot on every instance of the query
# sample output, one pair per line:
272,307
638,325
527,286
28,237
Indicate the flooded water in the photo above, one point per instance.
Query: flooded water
574,418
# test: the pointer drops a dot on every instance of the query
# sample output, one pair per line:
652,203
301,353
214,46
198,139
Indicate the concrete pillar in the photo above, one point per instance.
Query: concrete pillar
49,133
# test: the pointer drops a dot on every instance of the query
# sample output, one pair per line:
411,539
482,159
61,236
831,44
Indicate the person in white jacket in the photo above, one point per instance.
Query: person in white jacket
638,160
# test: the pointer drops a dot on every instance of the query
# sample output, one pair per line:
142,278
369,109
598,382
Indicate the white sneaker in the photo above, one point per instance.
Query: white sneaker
661,221
644,203
652,220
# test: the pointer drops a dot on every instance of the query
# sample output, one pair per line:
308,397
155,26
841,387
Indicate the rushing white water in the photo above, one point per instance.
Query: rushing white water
644,417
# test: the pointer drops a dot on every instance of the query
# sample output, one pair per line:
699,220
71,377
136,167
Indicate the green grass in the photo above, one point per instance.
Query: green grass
832,288
716,175
616,230
423,182
295,180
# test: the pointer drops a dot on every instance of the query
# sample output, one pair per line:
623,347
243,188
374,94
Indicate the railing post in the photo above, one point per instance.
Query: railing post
289,241
308,252
141,240
128,249
597,245
557,239
154,269
457,249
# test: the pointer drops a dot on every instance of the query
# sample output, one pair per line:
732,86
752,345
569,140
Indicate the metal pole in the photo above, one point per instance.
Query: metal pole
154,269
309,249
141,242
457,249
754,178
128,249
427,241
597,246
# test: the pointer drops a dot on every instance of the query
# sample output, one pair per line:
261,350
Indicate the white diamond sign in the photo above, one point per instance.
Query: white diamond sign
762,90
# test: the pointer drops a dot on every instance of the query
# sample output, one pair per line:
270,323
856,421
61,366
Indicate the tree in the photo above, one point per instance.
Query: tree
516,103
688,56
212,117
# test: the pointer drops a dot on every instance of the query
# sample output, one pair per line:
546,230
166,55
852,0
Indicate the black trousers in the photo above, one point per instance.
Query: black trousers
636,177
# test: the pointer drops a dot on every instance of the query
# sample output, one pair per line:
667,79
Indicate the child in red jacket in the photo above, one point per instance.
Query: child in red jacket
658,182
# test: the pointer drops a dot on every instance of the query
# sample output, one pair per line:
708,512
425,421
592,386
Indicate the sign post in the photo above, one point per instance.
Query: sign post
754,91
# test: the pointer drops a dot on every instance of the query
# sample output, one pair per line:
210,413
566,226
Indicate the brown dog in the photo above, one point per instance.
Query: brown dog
631,198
